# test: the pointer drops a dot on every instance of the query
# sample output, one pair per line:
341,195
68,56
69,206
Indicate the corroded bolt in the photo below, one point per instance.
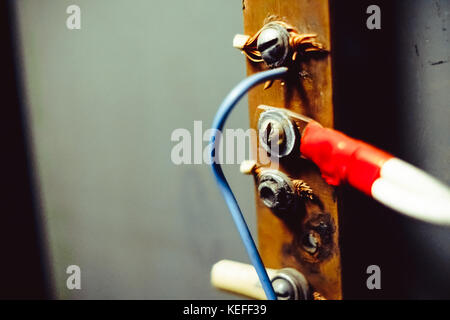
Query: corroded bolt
275,190
273,44
272,194
311,242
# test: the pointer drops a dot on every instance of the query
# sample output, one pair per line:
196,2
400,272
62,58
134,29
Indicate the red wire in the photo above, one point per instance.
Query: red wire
341,158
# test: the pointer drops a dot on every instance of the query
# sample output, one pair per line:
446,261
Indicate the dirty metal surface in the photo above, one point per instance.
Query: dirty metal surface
306,238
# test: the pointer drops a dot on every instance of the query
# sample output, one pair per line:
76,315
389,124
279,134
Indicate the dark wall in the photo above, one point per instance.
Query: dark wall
390,92
23,269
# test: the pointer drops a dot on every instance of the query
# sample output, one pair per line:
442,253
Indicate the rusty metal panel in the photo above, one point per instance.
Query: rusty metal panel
283,240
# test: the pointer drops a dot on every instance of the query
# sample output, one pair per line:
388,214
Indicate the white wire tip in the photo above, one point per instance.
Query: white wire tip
248,166
240,40
413,192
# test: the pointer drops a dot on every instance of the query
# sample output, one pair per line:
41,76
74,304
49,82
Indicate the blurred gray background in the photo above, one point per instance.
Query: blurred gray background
103,103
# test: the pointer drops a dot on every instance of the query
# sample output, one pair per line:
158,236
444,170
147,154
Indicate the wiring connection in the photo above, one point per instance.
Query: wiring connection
389,180
300,43
222,114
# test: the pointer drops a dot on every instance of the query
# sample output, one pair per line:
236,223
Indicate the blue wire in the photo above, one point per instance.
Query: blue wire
219,120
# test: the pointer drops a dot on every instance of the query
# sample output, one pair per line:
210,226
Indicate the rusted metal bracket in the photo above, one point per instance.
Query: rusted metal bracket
307,238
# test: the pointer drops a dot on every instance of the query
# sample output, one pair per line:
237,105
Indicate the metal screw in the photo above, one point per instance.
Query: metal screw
277,134
273,132
317,236
311,242
290,284
284,289
275,190
273,44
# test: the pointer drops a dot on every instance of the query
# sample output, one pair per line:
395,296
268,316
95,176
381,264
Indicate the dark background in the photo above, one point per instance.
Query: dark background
392,90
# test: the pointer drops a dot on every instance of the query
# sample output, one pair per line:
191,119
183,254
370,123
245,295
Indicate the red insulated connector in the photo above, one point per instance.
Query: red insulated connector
341,158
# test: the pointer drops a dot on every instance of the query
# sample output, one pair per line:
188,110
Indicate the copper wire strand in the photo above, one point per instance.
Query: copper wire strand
250,49
303,189
300,43
318,296
304,43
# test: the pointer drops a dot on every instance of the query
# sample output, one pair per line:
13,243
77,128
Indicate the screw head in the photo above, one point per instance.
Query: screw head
290,284
273,132
273,44
284,289
269,192
277,134
275,190
311,242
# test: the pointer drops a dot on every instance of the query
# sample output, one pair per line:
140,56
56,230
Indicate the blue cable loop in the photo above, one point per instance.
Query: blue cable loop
219,120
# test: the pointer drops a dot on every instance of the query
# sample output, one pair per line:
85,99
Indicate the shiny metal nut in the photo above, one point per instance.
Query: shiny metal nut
277,134
273,44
